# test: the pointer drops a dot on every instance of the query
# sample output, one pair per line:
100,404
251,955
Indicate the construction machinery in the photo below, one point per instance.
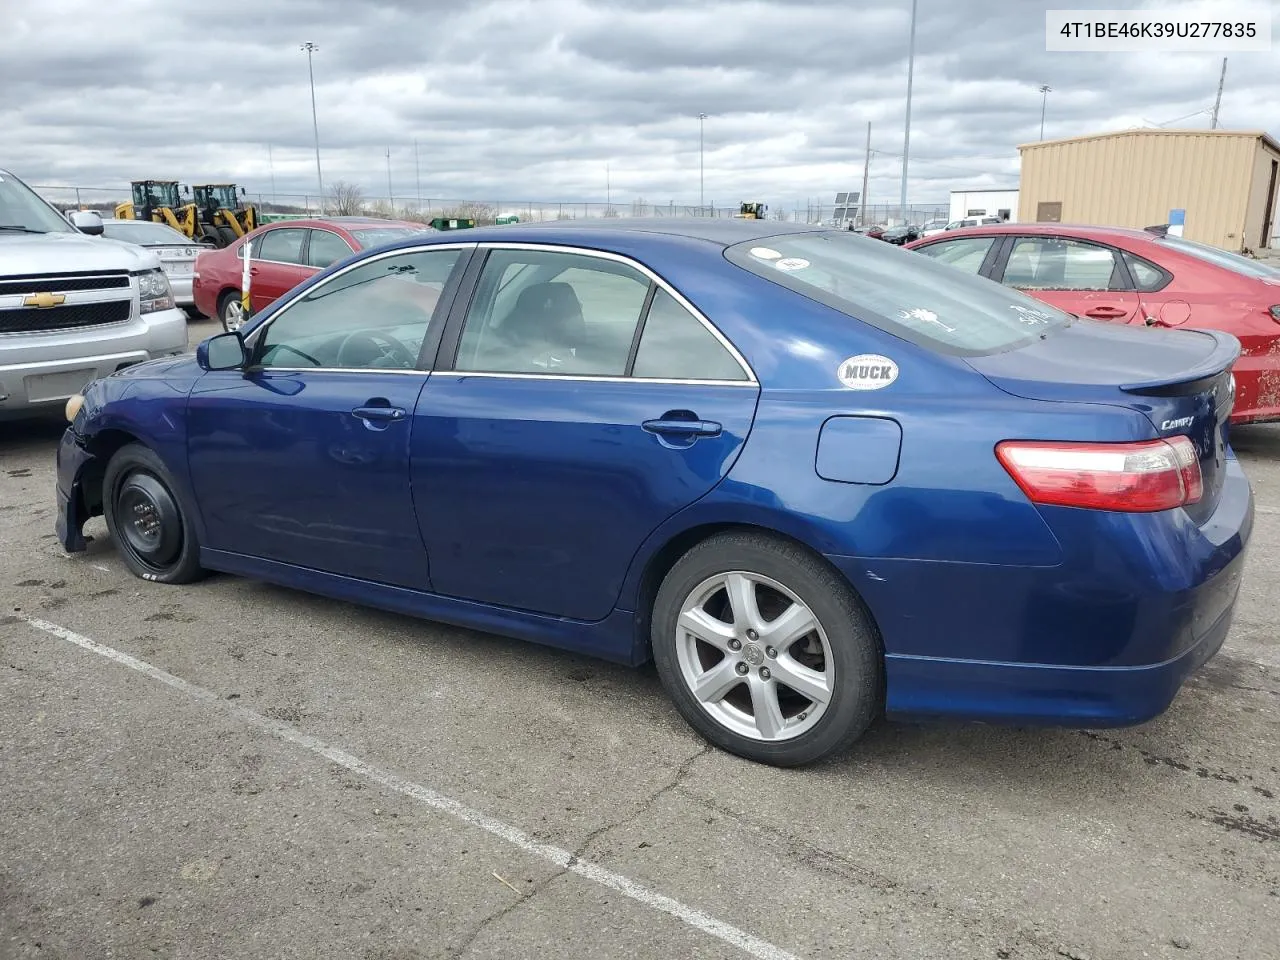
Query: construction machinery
160,201
751,211
222,216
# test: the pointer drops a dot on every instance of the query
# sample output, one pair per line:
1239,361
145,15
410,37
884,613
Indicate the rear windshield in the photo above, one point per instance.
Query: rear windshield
376,236
899,291
142,231
1222,258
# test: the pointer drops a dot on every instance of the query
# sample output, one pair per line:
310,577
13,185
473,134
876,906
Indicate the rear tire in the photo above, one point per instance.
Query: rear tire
230,311
792,672
146,518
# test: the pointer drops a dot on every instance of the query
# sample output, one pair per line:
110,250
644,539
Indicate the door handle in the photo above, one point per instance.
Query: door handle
381,414
1106,313
683,428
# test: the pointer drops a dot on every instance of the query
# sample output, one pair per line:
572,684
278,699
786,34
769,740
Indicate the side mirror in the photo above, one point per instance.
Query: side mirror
244,192
186,189
226,351
86,221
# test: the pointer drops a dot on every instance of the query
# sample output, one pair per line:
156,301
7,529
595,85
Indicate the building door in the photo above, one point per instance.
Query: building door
1049,212
1269,211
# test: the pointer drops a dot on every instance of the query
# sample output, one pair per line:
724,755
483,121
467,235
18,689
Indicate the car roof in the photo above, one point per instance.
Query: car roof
723,232
1072,229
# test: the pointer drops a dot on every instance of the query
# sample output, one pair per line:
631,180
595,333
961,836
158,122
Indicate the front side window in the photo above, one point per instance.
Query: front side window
552,313
1056,263
280,246
373,316
965,253
674,345
910,296
326,248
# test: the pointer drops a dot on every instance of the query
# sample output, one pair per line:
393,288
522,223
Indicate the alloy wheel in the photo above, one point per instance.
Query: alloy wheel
754,656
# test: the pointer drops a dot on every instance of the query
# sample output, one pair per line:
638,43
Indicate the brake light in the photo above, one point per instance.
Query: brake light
1129,477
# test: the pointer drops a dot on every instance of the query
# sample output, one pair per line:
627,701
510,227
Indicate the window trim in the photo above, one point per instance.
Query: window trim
422,365
448,355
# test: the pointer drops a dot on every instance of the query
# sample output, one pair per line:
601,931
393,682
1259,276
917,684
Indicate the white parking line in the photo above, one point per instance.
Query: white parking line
562,858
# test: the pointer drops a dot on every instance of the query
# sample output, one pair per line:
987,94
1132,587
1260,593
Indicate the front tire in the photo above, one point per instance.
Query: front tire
766,651
146,518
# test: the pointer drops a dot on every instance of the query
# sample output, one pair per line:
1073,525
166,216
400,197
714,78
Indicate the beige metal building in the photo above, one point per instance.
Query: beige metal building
1226,181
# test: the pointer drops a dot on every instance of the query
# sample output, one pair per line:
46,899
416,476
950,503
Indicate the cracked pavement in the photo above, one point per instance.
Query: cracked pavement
140,822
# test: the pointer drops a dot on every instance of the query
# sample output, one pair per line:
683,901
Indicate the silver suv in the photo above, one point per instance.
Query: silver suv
73,308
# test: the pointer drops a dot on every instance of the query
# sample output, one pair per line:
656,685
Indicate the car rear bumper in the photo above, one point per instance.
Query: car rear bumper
40,371
1105,642
182,284
1038,694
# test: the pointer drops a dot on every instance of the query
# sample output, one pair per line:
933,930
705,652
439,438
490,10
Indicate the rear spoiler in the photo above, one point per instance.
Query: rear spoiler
1197,378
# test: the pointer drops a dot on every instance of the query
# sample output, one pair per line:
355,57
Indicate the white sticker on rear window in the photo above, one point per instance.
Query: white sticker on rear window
921,315
792,263
765,253
867,371
1029,314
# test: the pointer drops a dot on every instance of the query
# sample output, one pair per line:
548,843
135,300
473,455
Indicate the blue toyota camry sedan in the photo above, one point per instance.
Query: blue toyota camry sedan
815,478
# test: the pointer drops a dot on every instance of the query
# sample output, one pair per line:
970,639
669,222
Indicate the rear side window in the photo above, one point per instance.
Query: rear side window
910,296
965,253
674,345
1147,277
1055,263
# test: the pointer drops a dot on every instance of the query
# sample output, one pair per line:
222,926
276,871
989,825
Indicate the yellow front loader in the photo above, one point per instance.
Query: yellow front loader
159,201
222,216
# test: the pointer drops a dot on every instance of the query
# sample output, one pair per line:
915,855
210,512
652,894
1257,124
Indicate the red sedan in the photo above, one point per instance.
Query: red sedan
283,255
1137,276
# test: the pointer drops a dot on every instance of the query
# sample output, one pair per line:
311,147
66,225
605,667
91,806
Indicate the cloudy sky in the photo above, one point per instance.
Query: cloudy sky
540,99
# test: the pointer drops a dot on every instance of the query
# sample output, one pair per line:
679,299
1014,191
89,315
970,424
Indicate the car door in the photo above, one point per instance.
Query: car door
303,456
578,403
1077,276
278,265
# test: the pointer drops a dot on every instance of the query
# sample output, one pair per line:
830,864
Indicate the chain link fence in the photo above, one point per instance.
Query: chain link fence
104,200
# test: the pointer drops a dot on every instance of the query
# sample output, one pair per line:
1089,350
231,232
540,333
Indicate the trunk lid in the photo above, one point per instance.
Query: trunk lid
1180,380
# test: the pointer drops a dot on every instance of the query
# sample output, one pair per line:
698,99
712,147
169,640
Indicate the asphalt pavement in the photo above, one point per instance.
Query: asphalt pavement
232,769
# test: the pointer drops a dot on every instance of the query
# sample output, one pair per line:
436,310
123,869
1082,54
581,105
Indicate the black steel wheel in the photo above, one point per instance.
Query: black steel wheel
146,519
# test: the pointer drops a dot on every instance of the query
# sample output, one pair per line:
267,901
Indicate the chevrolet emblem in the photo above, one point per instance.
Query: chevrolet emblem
44,300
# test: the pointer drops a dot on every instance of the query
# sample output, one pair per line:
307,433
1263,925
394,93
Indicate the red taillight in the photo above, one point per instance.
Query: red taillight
1130,477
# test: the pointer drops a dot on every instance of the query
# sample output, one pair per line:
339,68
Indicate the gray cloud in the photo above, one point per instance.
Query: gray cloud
512,99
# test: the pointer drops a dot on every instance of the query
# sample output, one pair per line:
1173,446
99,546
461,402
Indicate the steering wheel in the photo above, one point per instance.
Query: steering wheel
387,350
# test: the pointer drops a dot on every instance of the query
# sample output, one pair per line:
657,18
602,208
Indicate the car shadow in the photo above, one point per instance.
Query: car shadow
34,435
1261,439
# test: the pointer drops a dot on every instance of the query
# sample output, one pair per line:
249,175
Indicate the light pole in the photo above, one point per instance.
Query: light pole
1045,90
391,197
309,48
701,169
906,136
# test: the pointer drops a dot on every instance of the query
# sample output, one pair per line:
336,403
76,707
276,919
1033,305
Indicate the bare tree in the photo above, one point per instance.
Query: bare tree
346,199
481,213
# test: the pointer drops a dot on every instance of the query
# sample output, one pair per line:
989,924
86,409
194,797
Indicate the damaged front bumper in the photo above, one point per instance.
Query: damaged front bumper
76,466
